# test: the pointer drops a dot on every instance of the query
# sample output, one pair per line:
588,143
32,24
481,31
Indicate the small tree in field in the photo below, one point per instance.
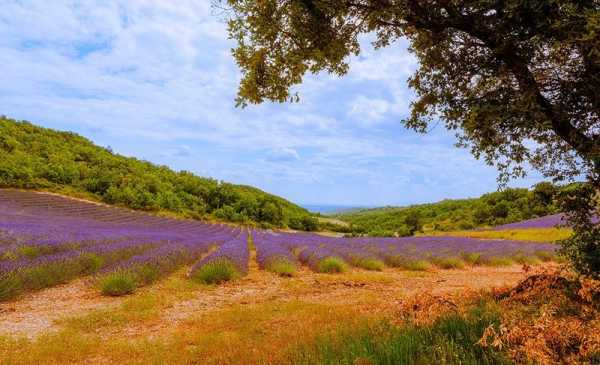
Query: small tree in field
518,80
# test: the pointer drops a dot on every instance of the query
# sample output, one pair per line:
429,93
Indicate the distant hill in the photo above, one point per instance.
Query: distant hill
33,157
492,209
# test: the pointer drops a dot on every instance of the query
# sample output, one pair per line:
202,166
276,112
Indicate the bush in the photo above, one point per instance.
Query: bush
369,264
403,263
118,283
583,248
216,272
500,261
281,267
332,265
449,263
452,339
472,258
10,287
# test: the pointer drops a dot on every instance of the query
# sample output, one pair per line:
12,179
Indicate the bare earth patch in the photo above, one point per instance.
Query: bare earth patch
36,312
43,311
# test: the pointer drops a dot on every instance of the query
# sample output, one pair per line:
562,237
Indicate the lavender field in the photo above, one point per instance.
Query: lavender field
46,240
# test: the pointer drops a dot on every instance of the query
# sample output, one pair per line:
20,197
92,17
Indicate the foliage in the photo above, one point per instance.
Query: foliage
369,263
451,339
118,283
507,206
583,248
281,267
502,73
40,158
533,234
516,80
332,265
216,272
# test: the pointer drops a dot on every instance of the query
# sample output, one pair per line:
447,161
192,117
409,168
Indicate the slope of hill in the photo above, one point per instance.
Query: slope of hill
492,209
33,157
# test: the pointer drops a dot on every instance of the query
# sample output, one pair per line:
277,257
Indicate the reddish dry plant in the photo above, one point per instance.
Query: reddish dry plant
424,309
551,317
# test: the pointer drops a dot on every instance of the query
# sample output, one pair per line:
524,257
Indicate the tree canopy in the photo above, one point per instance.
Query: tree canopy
517,80
32,157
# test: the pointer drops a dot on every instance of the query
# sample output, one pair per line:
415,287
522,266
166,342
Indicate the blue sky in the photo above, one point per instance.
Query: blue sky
155,80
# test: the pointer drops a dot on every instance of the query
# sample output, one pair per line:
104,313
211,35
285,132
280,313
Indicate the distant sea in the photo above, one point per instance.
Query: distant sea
328,209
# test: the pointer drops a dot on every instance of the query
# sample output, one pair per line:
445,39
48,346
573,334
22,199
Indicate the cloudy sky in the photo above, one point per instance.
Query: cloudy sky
155,80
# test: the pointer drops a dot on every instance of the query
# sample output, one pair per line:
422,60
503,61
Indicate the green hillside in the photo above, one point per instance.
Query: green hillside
32,157
507,206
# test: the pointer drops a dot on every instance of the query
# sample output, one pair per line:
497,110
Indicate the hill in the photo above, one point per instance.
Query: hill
492,209
39,158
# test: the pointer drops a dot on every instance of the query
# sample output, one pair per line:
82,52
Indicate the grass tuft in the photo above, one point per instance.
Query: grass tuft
216,272
472,258
449,340
369,263
449,263
332,265
545,255
406,264
500,261
281,267
118,283
524,259
10,287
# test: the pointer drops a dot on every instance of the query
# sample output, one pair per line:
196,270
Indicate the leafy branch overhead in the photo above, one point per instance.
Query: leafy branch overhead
517,80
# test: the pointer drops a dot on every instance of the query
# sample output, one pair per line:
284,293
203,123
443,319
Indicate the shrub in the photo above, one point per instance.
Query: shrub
332,265
369,263
449,263
500,261
147,274
545,255
10,287
281,267
473,258
216,272
118,283
452,339
413,265
524,259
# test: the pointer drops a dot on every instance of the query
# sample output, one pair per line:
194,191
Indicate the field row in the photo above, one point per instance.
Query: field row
44,241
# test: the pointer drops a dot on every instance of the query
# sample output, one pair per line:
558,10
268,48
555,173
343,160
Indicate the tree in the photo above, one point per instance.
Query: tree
500,73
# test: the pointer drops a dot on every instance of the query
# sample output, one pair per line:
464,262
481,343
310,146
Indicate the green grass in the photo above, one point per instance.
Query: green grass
45,276
118,283
449,340
332,265
406,264
500,261
472,258
10,287
216,272
449,262
524,259
530,234
369,263
281,267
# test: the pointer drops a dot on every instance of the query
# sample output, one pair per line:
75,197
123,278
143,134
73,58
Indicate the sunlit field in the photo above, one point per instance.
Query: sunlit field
82,282
527,234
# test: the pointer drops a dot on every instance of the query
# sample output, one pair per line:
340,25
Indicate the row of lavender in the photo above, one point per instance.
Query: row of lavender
373,253
46,240
549,221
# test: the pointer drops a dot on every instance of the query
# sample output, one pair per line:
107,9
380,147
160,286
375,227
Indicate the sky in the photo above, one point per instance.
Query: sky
156,80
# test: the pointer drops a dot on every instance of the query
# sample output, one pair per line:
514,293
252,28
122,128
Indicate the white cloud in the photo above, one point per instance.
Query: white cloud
283,155
156,79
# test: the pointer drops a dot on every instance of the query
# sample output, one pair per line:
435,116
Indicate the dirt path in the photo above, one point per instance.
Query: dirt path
39,312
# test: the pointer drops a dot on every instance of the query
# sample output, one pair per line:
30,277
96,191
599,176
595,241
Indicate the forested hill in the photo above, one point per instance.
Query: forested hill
32,157
507,206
